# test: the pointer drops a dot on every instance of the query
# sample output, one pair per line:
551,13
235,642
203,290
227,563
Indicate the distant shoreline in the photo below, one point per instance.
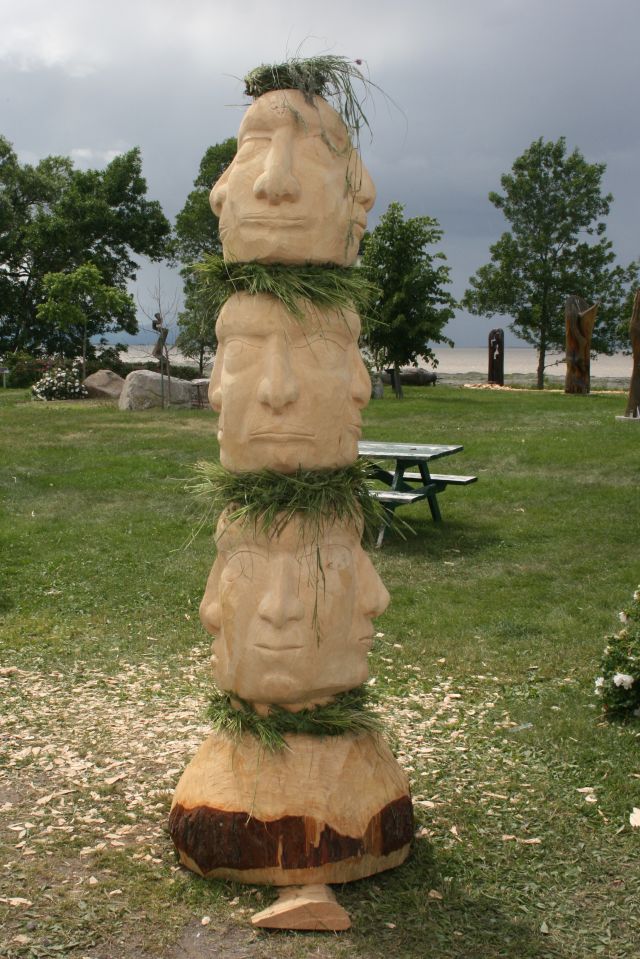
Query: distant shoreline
470,362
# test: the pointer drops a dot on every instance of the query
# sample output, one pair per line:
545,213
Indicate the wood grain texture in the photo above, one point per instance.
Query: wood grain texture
304,907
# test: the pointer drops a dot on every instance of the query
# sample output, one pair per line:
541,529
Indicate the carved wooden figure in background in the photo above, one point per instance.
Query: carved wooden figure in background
633,403
496,357
580,319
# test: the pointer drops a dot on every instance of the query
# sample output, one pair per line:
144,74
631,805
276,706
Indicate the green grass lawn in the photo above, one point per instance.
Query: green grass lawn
486,662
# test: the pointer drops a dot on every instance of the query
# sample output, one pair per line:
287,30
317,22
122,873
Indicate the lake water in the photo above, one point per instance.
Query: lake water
525,360
461,360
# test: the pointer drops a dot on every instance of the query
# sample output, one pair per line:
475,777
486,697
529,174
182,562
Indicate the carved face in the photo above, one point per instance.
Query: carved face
292,620
296,191
289,392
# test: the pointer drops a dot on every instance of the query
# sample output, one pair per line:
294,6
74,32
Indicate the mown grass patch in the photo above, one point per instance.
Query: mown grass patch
485,662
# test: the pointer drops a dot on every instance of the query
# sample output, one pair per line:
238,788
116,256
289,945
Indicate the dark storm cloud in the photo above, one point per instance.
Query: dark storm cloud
476,83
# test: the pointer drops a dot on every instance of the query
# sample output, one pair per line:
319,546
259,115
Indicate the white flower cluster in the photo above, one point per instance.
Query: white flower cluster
619,684
60,383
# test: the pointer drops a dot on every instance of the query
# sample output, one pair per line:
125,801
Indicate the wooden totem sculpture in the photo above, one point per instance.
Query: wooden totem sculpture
291,616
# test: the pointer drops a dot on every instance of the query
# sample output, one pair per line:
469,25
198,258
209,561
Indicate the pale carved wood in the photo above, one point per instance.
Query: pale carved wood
298,377
580,319
304,907
292,620
275,208
633,403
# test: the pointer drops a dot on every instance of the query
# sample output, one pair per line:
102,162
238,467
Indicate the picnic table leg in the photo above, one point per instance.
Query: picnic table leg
432,496
388,516
434,507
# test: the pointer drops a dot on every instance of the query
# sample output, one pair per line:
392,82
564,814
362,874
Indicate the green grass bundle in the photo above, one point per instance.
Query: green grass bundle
326,287
348,712
270,500
331,77
619,684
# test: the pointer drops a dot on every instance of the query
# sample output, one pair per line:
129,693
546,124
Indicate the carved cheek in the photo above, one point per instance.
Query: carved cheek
215,384
361,381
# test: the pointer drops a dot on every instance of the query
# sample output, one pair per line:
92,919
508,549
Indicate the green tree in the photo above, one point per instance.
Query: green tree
54,219
197,323
556,247
196,234
413,306
80,305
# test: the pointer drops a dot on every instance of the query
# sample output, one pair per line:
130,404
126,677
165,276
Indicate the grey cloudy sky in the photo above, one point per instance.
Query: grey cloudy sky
476,81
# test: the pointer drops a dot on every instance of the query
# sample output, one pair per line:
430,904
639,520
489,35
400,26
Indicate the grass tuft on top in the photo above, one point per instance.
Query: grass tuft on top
331,77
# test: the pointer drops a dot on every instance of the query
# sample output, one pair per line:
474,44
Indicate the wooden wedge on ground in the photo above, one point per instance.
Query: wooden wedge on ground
304,907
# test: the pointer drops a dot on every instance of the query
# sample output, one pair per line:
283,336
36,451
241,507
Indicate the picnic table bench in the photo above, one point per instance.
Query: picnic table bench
402,484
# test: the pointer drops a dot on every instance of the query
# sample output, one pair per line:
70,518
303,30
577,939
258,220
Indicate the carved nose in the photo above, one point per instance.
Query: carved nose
375,597
278,386
277,182
280,606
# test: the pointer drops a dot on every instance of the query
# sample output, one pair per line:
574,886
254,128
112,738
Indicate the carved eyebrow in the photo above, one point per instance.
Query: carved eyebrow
252,131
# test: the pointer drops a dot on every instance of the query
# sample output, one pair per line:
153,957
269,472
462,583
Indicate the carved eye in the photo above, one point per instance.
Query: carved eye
252,146
239,566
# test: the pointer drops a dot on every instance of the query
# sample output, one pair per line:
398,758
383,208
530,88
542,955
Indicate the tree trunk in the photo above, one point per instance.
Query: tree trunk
542,355
579,322
84,353
633,403
201,360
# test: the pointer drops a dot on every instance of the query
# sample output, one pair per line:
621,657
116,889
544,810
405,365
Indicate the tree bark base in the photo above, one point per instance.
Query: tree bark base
325,810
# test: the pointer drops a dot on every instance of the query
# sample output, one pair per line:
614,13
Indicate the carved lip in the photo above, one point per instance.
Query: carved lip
366,640
271,218
292,434
277,649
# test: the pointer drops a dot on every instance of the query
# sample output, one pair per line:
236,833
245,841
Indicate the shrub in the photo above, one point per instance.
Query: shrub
62,382
24,368
619,684
106,361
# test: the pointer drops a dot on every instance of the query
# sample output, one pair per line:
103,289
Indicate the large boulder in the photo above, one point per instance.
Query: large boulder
104,385
413,377
143,390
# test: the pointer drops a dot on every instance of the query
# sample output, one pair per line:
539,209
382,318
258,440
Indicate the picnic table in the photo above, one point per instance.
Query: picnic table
409,487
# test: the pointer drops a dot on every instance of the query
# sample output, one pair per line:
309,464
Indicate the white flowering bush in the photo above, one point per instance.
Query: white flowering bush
61,382
619,682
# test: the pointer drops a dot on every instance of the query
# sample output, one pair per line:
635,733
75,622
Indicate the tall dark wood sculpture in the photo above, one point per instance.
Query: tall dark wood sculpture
579,319
496,357
633,403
